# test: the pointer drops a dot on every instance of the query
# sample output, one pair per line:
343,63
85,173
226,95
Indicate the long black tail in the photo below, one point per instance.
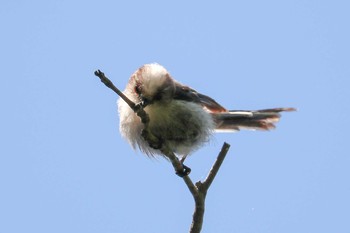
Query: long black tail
235,120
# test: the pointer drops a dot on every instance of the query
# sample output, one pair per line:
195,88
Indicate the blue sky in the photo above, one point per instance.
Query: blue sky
65,168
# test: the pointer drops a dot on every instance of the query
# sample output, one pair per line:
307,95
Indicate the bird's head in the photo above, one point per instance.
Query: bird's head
152,82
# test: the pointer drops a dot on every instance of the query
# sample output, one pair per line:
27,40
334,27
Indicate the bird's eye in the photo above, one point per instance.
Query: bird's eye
138,89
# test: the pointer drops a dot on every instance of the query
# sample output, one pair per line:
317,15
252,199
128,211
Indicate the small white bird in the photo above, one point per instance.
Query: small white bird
180,117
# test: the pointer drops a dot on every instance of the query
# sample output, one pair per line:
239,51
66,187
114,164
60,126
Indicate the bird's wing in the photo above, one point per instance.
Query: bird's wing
188,94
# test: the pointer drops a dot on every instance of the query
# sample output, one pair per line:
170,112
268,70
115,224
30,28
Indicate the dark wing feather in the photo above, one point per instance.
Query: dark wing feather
188,94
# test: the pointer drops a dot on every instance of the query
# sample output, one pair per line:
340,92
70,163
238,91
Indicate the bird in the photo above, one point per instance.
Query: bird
181,118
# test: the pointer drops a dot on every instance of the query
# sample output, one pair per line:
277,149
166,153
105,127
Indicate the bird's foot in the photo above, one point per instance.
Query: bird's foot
184,171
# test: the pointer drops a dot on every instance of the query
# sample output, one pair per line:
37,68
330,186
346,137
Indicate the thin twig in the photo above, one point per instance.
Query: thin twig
178,166
110,85
137,108
216,166
198,190
203,187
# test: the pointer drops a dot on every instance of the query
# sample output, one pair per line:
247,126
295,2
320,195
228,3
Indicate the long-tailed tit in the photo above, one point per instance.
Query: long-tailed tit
180,117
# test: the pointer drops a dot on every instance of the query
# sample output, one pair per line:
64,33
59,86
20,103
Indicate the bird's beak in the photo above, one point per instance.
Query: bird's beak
145,101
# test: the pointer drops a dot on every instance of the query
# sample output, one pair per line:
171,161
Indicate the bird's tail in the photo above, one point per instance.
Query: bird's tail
235,120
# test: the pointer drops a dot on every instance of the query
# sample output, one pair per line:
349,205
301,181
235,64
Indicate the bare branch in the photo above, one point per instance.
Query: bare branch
138,109
110,85
198,214
203,187
216,166
198,190
178,166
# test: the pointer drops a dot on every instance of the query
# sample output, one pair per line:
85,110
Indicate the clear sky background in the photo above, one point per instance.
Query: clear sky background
65,168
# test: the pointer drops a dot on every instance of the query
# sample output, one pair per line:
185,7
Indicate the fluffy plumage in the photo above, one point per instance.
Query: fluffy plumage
180,116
